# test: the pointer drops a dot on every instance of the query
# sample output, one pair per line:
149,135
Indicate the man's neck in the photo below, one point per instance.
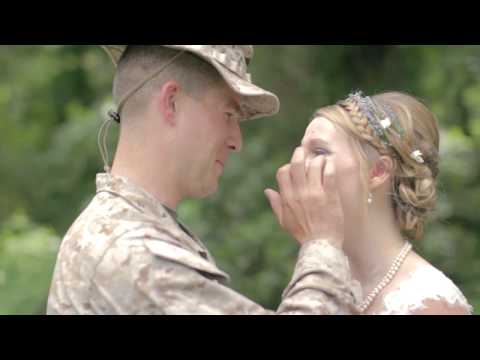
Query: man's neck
144,156
160,183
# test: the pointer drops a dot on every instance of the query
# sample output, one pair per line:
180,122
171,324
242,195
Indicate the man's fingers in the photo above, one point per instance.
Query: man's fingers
285,182
329,178
315,173
297,169
276,204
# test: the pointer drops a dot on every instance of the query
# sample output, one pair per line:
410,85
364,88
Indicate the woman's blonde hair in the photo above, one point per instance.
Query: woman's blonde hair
413,181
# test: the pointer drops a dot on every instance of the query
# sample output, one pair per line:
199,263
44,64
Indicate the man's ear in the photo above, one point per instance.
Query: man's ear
166,102
381,172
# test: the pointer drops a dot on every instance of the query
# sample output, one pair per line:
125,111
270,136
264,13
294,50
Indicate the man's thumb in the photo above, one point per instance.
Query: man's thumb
275,202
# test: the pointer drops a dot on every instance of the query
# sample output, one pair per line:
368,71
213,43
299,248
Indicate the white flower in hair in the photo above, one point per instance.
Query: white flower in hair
386,123
417,156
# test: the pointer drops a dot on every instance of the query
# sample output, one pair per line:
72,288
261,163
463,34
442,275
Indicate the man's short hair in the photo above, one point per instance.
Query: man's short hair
138,62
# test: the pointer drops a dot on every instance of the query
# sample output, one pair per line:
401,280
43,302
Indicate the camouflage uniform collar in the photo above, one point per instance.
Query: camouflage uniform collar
134,194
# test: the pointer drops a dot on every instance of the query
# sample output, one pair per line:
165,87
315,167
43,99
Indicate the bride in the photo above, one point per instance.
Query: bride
385,153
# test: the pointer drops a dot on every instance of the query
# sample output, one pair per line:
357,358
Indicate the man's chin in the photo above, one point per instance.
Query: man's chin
212,191
206,192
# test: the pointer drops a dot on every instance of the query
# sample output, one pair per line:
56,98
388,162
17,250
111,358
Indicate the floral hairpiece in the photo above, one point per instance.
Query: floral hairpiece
382,120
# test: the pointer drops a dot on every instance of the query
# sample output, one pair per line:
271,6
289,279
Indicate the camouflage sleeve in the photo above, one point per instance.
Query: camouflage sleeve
322,283
177,284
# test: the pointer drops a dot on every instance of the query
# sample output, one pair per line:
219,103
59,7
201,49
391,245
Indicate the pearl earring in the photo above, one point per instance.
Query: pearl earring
370,199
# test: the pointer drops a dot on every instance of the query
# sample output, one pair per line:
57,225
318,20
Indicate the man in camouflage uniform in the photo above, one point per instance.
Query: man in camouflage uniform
179,107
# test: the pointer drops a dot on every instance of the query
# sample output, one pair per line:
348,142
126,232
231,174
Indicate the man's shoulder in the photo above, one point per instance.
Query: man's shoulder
108,222
108,210
155,247
113,227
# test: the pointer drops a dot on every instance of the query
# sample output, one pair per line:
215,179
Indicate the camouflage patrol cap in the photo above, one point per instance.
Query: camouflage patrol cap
231,61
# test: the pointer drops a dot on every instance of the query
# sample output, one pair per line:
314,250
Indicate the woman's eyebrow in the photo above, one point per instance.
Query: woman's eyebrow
315,141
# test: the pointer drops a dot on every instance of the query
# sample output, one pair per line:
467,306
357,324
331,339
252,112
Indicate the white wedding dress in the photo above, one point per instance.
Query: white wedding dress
424,284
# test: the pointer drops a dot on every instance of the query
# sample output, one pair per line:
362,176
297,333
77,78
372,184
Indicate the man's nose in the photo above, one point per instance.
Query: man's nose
235,140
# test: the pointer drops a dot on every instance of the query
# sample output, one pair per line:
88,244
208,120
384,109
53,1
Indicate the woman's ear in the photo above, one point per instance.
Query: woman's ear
381,172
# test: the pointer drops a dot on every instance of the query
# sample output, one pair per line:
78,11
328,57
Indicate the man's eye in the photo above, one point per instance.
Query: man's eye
232,116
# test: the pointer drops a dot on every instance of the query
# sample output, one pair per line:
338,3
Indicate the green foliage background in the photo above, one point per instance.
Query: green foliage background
52,102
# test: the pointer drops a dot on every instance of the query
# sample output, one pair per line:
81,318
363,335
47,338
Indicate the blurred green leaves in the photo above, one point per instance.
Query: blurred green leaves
27,256
54,98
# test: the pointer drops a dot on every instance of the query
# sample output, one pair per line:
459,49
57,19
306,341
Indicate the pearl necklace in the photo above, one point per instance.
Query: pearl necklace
387,278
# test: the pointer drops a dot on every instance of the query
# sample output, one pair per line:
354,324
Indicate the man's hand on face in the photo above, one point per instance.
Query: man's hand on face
308,204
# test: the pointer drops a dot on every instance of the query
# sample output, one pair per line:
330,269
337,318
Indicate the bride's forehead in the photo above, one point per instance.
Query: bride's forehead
321,127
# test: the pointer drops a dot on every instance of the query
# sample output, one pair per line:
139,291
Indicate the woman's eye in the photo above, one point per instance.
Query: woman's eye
320,151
